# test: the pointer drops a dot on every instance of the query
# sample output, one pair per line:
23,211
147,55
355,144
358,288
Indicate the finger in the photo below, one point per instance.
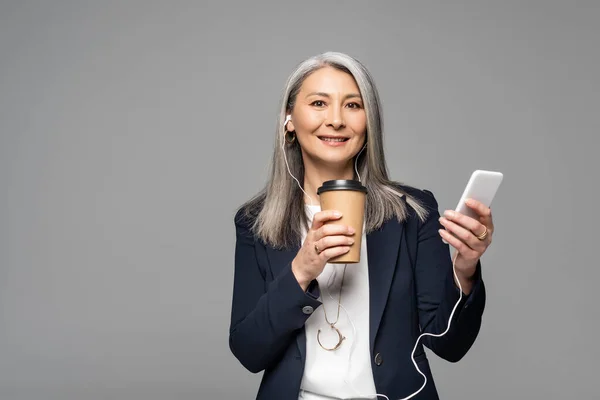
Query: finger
332,230
464,235
332,241
460,246
471,224
334,252
489,222
322,216
481,209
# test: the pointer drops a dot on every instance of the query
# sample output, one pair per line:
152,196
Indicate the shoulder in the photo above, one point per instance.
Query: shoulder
241,219
423,197
246,214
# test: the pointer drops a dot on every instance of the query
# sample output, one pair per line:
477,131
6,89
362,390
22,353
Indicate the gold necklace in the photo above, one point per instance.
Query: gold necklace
332,324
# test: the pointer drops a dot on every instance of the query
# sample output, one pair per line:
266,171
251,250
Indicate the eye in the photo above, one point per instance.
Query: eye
318,103
354,105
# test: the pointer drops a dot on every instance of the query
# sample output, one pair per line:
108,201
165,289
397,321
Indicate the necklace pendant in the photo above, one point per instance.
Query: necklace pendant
341,338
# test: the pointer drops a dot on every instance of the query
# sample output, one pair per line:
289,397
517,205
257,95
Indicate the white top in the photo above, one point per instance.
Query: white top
326,372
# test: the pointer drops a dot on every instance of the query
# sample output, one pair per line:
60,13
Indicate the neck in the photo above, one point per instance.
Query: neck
315,175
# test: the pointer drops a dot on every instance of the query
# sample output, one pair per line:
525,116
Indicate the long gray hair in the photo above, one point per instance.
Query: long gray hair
278,210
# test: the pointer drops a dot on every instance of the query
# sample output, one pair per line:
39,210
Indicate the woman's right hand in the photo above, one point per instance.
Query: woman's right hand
331,239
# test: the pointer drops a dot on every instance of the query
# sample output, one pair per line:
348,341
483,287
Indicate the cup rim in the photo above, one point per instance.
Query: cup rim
342,184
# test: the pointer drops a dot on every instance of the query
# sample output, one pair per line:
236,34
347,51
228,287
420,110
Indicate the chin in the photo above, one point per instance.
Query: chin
335,156
332,158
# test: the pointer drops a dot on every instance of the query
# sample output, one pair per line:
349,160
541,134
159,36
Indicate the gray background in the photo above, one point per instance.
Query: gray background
130,131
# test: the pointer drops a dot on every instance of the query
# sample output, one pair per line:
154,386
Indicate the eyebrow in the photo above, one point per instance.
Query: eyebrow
323,94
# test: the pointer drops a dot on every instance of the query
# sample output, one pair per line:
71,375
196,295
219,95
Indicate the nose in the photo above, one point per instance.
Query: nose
335,118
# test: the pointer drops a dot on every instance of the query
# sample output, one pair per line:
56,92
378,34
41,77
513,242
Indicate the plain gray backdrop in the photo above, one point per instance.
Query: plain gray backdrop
130,131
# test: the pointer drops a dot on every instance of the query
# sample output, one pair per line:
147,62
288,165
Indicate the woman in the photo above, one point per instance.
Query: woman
289,303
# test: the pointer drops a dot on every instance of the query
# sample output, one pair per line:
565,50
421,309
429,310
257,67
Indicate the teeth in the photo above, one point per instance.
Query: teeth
333,140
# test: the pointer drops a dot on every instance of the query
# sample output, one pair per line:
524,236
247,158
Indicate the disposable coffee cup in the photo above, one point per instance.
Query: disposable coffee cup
348,197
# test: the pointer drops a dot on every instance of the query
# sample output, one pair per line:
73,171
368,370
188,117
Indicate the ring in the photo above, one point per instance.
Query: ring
484,234
317,249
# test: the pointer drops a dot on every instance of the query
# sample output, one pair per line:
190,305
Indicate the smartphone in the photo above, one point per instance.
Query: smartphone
482,186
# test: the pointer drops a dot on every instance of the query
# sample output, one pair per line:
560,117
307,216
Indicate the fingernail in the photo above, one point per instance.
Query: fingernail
350,230
337,214
469,201
449,214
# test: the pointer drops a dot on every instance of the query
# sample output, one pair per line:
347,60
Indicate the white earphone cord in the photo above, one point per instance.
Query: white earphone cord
370,396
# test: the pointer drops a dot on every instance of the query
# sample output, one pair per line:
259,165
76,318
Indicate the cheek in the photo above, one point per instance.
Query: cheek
358,122
307,120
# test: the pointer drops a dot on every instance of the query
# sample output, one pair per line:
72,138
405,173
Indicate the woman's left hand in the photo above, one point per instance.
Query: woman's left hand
471,236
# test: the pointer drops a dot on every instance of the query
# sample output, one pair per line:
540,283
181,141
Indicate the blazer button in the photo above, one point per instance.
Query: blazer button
307,310
378,359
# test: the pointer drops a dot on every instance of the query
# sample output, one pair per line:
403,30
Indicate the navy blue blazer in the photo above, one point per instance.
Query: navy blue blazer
411,290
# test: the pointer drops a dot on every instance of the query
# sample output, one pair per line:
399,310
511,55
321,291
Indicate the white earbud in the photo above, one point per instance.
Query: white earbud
288,118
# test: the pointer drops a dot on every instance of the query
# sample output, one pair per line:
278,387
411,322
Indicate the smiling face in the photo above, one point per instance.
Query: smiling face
329,118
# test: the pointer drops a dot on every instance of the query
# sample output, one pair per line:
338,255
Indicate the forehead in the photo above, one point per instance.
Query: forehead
329,80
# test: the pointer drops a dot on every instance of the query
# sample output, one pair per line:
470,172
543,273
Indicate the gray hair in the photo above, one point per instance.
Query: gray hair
278,210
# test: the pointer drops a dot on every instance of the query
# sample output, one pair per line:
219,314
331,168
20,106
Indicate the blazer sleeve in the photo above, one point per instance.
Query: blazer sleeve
437,292
265,315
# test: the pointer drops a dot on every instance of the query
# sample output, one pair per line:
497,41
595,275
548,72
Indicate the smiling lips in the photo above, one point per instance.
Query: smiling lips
333,141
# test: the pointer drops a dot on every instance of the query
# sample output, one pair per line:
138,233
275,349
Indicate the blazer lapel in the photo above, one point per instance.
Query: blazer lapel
382,255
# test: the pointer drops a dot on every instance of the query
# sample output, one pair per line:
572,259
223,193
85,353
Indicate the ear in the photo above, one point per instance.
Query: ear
290,125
